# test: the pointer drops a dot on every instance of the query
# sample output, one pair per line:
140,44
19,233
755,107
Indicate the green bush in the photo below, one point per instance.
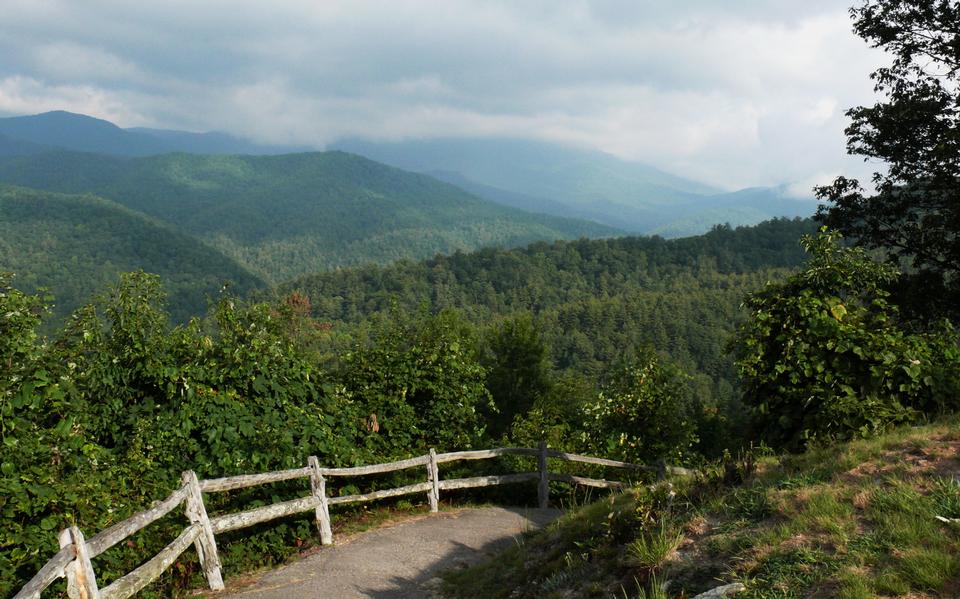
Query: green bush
823,355
419,384
101,422
518,370
50,471
644,413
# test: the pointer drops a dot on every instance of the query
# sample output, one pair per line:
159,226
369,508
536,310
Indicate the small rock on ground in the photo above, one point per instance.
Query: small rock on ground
727,590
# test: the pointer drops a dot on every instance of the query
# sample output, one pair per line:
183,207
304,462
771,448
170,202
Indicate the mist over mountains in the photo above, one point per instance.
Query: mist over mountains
578,183
530,175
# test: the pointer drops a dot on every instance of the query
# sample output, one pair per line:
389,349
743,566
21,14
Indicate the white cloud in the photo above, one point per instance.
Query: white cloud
24,95
74,62
744,93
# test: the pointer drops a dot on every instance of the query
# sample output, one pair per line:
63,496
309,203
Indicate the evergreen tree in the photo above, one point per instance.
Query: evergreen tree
518,370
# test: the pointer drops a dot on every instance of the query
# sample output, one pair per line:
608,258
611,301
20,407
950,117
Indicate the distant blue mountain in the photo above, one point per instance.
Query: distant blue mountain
214,142
77,132
551,171
578,183
744,207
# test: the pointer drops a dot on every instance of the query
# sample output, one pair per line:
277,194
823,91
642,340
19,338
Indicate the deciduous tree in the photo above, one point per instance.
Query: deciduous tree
914,131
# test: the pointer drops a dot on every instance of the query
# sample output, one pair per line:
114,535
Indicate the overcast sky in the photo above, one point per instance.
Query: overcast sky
731,92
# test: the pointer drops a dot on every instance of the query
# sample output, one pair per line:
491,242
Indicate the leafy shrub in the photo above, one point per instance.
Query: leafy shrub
420,384
518,370
643,414
822,354
100,423
50,470
557,415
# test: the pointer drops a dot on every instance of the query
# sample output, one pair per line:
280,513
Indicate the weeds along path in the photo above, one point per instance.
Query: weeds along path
398,561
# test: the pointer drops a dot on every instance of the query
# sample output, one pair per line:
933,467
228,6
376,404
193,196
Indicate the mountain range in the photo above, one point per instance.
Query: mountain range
534,176
230,210
578,183
287,215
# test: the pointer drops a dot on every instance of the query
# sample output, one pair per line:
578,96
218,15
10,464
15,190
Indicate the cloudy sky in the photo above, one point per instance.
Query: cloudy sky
731,92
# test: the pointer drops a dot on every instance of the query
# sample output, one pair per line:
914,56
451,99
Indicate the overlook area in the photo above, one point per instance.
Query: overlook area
487,299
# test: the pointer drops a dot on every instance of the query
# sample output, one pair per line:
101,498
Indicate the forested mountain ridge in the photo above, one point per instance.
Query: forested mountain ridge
535,176
11,146
61,129
288,215
538,168
543,275
75,246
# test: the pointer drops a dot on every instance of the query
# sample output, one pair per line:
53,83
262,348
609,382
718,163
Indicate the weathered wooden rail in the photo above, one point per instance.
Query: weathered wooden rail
74,560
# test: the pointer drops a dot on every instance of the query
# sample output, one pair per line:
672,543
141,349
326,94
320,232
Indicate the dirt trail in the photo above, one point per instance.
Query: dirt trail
398,561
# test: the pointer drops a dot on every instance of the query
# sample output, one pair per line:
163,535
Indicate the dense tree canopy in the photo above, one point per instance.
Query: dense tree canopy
289,215
914,212
77,245
590,303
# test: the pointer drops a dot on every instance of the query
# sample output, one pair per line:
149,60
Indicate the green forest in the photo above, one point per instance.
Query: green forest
459,351
585,305
769,359
75,246
618,348
294,214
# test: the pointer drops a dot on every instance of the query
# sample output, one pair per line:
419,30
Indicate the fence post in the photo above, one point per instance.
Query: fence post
81,581
206,544
318,485
543,490
433,477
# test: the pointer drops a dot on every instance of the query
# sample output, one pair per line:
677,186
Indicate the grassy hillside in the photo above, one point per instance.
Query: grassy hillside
874,518
75,246
293,214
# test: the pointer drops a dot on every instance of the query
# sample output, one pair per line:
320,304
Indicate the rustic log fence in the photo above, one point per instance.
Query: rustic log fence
73,561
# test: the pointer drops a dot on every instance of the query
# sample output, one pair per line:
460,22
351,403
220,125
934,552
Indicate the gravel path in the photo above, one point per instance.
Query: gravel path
397,561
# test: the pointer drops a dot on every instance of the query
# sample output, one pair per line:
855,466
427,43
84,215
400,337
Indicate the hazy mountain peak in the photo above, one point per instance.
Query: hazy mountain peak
80,132
581,183
83,133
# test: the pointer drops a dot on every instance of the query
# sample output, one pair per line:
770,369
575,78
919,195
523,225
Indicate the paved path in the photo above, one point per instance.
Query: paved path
395,562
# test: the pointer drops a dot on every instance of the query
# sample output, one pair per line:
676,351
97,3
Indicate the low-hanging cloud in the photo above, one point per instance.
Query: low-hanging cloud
736,94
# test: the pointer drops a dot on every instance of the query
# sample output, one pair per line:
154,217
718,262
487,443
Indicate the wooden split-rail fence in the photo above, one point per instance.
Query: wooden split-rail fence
74,560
